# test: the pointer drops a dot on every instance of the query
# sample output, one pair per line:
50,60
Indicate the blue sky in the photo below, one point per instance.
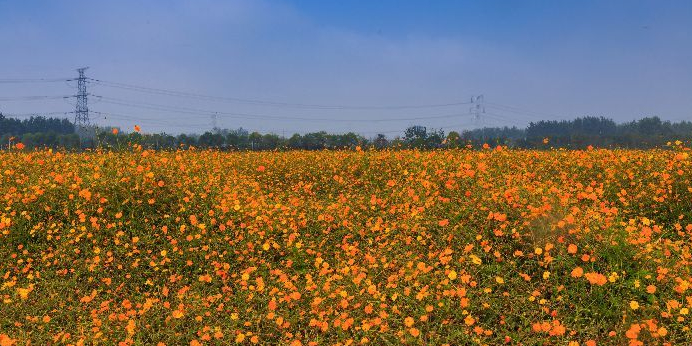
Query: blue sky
530,59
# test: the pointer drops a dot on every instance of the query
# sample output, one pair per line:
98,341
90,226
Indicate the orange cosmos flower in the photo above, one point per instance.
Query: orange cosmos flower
596,278
408,321
572,249
5,340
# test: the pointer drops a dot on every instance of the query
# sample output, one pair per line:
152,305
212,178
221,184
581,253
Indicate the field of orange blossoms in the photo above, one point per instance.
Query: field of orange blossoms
455,247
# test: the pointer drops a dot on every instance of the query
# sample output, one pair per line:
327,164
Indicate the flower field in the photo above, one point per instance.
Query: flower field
454,247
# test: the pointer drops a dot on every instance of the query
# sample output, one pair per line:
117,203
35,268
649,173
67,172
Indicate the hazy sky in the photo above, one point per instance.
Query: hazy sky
530,59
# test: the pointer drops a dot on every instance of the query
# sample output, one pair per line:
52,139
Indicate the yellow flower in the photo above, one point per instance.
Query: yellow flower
634,305
452,275
239,338
24,292
475,260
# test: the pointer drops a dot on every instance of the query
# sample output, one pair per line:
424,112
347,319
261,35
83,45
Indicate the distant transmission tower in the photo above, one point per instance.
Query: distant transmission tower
477,108
215,122
81,114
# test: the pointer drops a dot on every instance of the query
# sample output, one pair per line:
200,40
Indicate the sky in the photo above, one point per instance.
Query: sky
365,66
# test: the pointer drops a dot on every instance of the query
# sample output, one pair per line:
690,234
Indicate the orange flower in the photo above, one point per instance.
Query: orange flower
571,249
469,321
596,278
137,128
19,146
408,321
272,305
633,332
5,340
577,272
114,131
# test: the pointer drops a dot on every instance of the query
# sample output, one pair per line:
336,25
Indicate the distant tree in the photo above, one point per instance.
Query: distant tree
416,134
271,141
255,139
347,140
315,140
453,139
237,139
211,140
295,142
37,124
380,141
420,137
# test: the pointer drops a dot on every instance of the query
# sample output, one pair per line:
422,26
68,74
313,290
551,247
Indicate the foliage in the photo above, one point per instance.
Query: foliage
38,124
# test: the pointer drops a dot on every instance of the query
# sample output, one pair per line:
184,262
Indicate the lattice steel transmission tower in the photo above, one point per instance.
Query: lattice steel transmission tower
477,107
215,123
81,115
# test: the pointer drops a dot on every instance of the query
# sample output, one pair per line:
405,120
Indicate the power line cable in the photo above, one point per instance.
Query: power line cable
37,114
37,80
155,122
161,123
518,110
236,115
507,119
34,98
168,92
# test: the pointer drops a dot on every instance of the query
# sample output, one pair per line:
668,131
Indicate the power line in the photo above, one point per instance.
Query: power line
35,98
28,115
161,123
518,110
154,122
37,80
82,119
128,117
168,92
236,115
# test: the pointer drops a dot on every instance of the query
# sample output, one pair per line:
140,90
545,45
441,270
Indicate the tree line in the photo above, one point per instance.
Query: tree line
38,131
578,133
